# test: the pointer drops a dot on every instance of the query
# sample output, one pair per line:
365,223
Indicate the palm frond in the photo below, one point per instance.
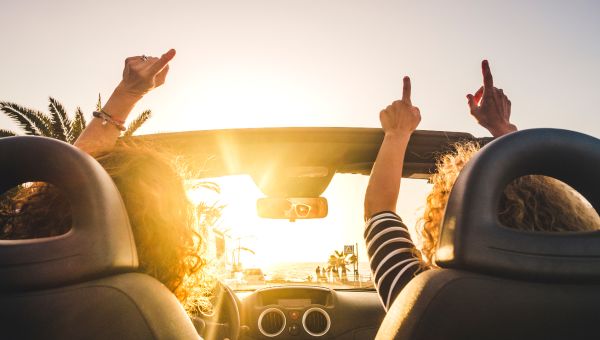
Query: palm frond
212,186
15,112
137,122
33,122
60,121
6,133
77,125
99,103
247,249
222,232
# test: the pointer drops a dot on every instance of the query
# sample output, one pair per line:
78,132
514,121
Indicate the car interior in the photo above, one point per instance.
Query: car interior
494,283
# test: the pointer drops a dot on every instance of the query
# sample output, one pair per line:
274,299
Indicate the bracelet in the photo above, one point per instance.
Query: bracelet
106,118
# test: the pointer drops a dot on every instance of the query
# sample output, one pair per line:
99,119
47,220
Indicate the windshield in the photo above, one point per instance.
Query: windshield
248,252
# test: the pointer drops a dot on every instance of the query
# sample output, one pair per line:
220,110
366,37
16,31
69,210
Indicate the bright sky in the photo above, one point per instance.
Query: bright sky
310,240
309,63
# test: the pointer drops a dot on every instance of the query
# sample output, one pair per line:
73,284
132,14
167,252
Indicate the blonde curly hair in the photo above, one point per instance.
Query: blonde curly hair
163,221
532,203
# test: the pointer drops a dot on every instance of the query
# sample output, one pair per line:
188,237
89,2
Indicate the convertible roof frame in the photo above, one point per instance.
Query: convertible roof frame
346,150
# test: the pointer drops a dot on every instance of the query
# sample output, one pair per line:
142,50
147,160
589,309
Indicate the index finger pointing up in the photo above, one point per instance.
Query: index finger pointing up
488,80
160,64
406,90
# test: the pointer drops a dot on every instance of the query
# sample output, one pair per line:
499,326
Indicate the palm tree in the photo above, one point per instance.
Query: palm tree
236,260
342,264
332,266
206,215
340,261
353,260
332,262
57,123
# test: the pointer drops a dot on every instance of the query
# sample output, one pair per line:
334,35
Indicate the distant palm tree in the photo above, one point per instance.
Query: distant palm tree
332,267
332,263
338,261
57,123
353,260
207,215
342,264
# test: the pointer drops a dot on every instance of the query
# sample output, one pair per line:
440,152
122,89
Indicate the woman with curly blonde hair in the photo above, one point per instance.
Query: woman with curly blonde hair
150,182
161,216
528,203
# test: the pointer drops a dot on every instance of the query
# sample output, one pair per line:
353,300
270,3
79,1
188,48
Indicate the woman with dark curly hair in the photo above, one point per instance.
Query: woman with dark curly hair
149,181
529,203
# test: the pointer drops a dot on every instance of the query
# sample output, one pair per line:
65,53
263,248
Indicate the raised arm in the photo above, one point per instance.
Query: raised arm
490,106
140,75
398,121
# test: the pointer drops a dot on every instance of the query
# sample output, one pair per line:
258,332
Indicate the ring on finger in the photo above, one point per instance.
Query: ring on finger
144,57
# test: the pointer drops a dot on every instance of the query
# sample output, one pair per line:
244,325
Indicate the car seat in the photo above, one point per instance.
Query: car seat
501,283
83,284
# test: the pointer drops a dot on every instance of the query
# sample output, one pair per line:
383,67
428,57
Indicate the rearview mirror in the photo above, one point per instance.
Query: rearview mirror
292,208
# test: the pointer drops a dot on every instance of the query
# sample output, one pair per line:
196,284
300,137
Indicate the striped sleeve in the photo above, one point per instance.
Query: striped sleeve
391,256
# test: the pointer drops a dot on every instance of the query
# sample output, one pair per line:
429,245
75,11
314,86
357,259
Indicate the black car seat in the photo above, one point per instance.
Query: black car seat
83,284
500,283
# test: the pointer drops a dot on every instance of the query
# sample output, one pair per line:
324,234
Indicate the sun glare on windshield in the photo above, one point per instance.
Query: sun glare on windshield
250,252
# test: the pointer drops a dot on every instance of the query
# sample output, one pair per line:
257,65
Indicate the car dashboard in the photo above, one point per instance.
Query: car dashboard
308,312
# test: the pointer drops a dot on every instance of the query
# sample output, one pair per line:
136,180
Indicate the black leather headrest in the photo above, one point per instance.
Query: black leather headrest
100,241
472,236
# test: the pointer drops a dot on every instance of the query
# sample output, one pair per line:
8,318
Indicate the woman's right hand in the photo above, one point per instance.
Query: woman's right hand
142,74
401,117
490,106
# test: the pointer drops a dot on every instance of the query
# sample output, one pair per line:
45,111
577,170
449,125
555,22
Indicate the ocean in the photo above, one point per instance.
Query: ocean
301,271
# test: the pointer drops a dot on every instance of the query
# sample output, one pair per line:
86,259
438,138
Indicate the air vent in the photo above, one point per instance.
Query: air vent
316,321
271,322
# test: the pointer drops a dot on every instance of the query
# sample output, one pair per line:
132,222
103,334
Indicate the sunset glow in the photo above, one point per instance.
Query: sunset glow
304,240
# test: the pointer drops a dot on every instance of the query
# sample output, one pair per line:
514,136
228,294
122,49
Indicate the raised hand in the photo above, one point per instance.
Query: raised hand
401,117
398,121
142,74
490,106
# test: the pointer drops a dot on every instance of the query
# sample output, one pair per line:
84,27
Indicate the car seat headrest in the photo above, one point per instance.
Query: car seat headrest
472,236
100,242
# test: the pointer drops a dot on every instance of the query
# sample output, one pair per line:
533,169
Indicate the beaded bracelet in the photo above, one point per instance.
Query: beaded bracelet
106,118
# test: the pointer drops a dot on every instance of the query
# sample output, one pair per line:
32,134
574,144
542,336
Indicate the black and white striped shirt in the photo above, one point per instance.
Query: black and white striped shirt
391,255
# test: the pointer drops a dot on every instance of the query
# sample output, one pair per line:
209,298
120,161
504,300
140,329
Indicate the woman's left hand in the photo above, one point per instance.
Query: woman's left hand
142,74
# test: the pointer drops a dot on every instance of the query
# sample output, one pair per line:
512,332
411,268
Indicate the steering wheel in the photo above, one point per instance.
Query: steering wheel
224,322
